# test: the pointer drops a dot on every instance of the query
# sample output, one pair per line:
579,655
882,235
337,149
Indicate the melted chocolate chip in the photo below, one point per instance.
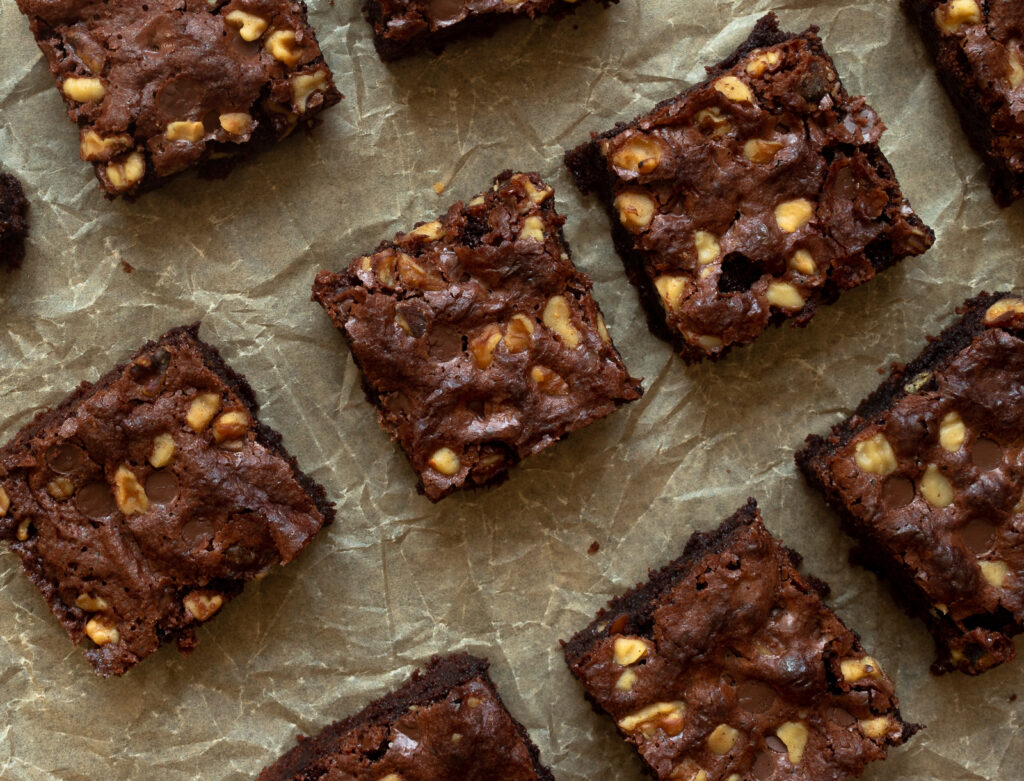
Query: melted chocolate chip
95,500
986,454
898,492
66,458
162,487
840,716
197,532
755,697
775,744
764,766
977,535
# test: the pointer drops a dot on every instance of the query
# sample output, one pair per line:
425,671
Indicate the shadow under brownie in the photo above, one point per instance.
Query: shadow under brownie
143,502
726,664
751,198
926,475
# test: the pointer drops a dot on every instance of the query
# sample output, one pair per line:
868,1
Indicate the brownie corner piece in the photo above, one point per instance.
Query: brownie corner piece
13,221
751,198
925,476
478,339
977,50
446,722
726,663
159,87
142,503
402,29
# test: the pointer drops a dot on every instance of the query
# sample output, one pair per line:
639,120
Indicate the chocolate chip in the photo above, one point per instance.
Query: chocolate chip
986,454
196,533
898,492
66,458
162,487
977,535
764,766
775,744
95,500
755,697
840,716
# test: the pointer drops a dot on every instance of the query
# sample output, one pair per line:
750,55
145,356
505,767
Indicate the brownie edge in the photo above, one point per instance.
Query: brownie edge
13,221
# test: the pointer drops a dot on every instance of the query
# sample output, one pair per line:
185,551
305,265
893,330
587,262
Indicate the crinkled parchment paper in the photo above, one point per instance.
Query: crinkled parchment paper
503,572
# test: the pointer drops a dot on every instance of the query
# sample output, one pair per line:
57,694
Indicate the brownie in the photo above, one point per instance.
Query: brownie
13,221
927,477
479,340
750,198
405,27
142,503
165,85
448,722
726,664
978,56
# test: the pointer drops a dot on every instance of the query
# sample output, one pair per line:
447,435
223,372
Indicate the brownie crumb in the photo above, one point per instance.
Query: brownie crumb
595,546
13,221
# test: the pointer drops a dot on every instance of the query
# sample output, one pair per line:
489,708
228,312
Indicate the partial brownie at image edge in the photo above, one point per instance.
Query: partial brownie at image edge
726,218
201,86
479,341
920,477
13,221
726,661
979,59
402,29
448,691
151,568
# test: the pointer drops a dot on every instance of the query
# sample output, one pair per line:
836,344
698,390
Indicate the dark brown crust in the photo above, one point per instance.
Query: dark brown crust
814,458
390,48
429,685
13,221
589,171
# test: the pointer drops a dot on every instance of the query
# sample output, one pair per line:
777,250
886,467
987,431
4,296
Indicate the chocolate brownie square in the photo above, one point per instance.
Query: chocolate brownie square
405,27
448,722
165,85
726,664
750,198
142,503
479,340
13,221
927,476
977,48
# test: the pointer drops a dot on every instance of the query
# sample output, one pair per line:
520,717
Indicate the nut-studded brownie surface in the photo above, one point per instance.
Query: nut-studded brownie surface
726,664
977,48
160,86
448,722
478,339
404,27
141,504
752,197
13,221
927,476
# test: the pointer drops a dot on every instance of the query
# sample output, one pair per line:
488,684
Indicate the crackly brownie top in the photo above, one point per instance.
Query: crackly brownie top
13,221
447,723
478,337
757,192
140,504
727,661
157,86
938,476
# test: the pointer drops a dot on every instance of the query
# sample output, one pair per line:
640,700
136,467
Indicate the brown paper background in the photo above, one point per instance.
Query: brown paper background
502,572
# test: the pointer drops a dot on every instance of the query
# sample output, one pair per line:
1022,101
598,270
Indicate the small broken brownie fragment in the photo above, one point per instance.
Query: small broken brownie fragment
750,198
448,722
144,502
978,49
479,340
165,85
927,476
726,664
13,221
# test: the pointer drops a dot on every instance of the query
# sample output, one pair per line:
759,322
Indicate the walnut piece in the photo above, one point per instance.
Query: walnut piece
626,681
708,248
956,14
230,426
519,333
722,739
91,604
445,461
549,381
671,289
163,451
994,572
237,123
281,45
484,344
640,154
734,89
123,174
874,728
184,131
102,631
784,295
5,502
128,492
430,231
250,27
803,262
1002,307
791,216
84,89
558,318
636,210
203,604
952,432
532,230
96,148
629,650
759,62
202,410
60,488
304,85
854,670
666,716
414,275
875,455
794,735
935,487
757,150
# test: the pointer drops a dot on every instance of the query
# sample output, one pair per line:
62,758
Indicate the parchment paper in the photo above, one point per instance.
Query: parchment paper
503,572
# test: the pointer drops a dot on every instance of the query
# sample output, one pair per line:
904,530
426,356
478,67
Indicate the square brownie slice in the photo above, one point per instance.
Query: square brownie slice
448,722
143,502
478,339
405,27
165,85
927,476
726,664
13,221
978,54
750,198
